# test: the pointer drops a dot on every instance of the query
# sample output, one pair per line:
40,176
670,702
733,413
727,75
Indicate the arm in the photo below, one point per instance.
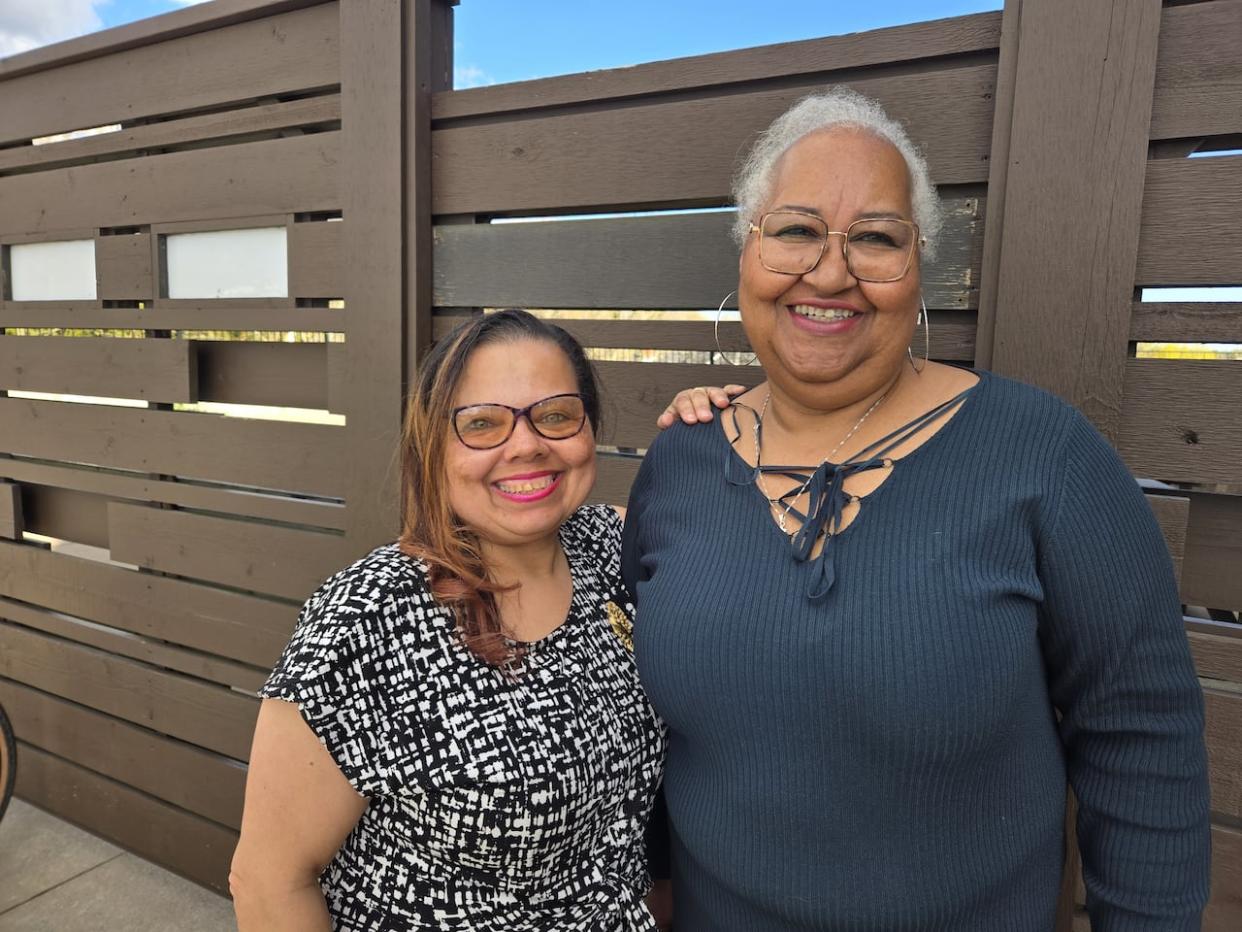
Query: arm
694,405
299,809
1120,672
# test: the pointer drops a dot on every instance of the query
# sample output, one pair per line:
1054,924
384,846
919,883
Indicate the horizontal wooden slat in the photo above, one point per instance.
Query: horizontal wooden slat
124,267
264,454
615,476
275,55
245,554
292,375
178,840
1172,513
66,514
1211,576
1179,419
231,124
952,334
189,495
1192,223
656,154
270,177
962,34
207,715
1198,89
315,259
1224,728
115,641
148,369
685,261
11,521
1186,322
635,394
1217,657
1224,911
181,774
245,628
179,317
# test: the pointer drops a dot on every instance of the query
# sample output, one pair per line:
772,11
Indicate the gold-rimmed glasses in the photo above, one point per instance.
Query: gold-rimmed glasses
876,249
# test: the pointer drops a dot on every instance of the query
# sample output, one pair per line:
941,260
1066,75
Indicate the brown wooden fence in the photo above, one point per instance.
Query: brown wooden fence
1057,132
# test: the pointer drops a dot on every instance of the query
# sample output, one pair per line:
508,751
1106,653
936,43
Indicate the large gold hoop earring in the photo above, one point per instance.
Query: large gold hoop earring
716,334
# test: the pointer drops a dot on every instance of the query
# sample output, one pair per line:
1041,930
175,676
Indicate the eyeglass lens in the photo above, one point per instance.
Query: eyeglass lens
875,250
484,426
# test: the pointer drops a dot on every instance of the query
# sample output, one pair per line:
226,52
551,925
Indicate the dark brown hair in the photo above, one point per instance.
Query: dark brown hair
430,531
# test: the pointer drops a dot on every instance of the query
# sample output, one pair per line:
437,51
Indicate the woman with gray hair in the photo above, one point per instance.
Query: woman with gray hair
888,608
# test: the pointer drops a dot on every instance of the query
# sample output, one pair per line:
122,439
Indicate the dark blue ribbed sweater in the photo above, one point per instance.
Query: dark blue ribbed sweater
891,759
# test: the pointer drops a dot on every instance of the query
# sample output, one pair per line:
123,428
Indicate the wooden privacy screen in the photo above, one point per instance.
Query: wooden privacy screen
216,526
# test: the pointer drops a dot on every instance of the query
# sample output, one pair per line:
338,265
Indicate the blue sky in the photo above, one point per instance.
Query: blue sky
513,40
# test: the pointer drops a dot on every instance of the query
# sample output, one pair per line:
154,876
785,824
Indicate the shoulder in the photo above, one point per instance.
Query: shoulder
592,528
366,600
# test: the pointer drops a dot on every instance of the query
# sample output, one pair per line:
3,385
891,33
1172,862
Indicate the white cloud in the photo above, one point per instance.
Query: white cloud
28,24
467,76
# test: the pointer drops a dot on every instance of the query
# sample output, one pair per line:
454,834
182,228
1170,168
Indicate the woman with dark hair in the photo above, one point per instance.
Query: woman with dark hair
455,737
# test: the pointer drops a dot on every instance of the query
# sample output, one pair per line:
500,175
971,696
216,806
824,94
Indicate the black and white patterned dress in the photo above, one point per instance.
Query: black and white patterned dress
495,804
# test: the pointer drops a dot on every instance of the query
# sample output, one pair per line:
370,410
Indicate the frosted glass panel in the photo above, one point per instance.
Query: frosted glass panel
228,264
63,271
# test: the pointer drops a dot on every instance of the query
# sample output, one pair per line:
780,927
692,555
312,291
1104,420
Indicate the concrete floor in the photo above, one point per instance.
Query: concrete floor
54,877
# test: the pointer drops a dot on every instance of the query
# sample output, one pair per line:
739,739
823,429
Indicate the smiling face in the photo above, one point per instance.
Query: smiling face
826,336
523,490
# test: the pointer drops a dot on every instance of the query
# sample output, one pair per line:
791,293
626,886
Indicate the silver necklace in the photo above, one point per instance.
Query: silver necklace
780,509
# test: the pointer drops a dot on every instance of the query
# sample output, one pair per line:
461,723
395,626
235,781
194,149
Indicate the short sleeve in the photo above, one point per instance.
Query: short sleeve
594,533
334,669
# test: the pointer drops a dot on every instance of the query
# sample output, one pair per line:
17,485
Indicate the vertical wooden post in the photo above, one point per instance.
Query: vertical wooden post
1069,162
393,54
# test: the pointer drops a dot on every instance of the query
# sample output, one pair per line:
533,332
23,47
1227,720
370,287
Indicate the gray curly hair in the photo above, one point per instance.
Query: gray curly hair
838,106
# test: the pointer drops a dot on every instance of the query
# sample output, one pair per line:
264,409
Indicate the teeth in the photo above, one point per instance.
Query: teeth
525,485
823,313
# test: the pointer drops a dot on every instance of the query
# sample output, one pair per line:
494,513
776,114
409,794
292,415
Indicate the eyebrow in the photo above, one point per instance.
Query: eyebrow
874,215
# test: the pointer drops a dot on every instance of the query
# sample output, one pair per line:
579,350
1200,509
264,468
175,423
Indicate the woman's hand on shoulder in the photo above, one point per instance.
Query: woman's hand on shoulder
695,405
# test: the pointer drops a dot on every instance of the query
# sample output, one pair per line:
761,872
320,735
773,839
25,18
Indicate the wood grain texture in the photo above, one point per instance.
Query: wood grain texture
615,476
273,176
1179,420
678,261
275,55
1173,514
291,375
11,521
124,267
654,154
174,316
65,514
1055,215
124,644
204,714
321,514
261,454
1210,576
315,260
374,48
1217,657
228,126
1192,223
1224,726
244,554
149,370
185,776
1186,322
1198,89
1224,911
957,36
190,845
229,624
